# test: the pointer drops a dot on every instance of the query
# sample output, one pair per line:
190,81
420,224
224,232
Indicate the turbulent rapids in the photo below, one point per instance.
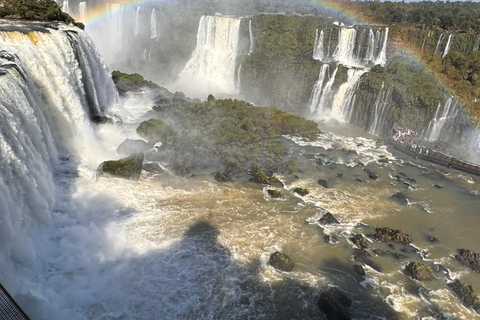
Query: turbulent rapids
80,245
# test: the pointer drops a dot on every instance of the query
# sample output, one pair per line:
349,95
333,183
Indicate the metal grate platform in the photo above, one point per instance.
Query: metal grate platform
9,309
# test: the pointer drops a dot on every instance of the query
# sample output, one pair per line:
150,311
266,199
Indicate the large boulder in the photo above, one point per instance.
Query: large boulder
335,304
469,259
419,271
281,261
327,219
155,130
130,146
467,294
359,240
127,168
399,198
221,176
301,191
386,234
258,175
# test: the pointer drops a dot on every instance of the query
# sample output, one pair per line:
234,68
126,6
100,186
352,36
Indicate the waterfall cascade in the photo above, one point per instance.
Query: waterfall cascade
66,7
476,44
82,10
213,62
250,34
136,30
447,46
317,91
318,46
382,104
439,43
50,84
344,100
154,33
445,113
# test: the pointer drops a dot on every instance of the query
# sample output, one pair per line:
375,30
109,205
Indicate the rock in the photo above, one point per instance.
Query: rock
281,261
327,219
391,246
359,240
359,269
323,183
358,180
380,252
387,234
339,175
181,168
419,271
301,191
335,304
221,176
438,186
259,176
469,259
400,198
371,174
432,239
152,167
130,146
155,130
127,168
79,25
274,193
361,255
399,256
467,294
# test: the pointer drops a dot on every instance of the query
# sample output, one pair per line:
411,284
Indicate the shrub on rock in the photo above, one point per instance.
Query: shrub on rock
419,271
281,261
127,168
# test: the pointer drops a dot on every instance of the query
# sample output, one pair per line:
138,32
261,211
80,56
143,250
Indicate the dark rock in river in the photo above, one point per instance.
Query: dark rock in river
335,304
274,193
361,255
400,198
387,234
467,294
327,219
359,240
130,146
221,176
419,271
301,191
259,176
323,183
469,259
152,167
359,269
281,261
127,168
432,239
371,174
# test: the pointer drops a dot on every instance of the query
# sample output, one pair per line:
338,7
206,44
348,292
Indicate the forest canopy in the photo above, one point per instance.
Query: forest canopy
44,10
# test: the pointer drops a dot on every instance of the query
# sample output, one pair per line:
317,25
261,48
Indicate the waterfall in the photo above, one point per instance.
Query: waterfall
136,29
380,110
445,112
329,42
318,47
239,81
370,46
153,24
213,62
382,55
45,91
476,44
114,39
317,89
360,44
346,43
250,33
439,43
344,100
327,94
65,6
447,47
82,9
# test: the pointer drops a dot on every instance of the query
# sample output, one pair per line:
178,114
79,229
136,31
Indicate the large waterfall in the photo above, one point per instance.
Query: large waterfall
213,63
153,24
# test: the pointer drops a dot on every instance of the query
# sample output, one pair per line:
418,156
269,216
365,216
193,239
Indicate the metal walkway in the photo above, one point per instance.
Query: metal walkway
9,309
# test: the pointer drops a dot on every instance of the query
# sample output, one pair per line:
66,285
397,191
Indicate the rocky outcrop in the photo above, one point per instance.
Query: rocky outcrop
127,168
386,234
467,294
130,146
281,261
328,219
152,167
155,130
469,259
221,176
335,304
274,194
359,240
399,198
258,175
419,271
301,191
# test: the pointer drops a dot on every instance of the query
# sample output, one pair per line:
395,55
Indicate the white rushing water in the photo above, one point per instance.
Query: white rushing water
346,43
212,65
136,30
82,10
445,112
344,100
381,107
154,33
250,35
65,6
317,91
476,43
382,55
318,46
439,43
447,46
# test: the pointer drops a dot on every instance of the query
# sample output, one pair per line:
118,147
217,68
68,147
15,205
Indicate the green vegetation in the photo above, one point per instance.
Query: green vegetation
128,168
275,194
131,82
467,294
301,191
258,175
419,271
155,130
42,10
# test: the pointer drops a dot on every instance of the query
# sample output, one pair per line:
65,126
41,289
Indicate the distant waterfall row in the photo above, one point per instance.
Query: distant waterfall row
447,47
51,83
352,47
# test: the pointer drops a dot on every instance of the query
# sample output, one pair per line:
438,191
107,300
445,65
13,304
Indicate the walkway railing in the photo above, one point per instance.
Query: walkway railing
9,308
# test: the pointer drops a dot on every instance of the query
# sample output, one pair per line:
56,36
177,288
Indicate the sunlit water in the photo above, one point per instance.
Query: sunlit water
169,247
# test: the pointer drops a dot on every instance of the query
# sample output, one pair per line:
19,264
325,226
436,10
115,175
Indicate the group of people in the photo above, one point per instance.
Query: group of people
404,135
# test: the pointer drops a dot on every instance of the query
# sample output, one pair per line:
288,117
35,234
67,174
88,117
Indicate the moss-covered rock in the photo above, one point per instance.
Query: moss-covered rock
419,271
258,175
386,234
274,193
359,240
287,167
323,183
281,261
467,294
301,191
155,130
131,82
221,176
181,168
469,259
127,168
